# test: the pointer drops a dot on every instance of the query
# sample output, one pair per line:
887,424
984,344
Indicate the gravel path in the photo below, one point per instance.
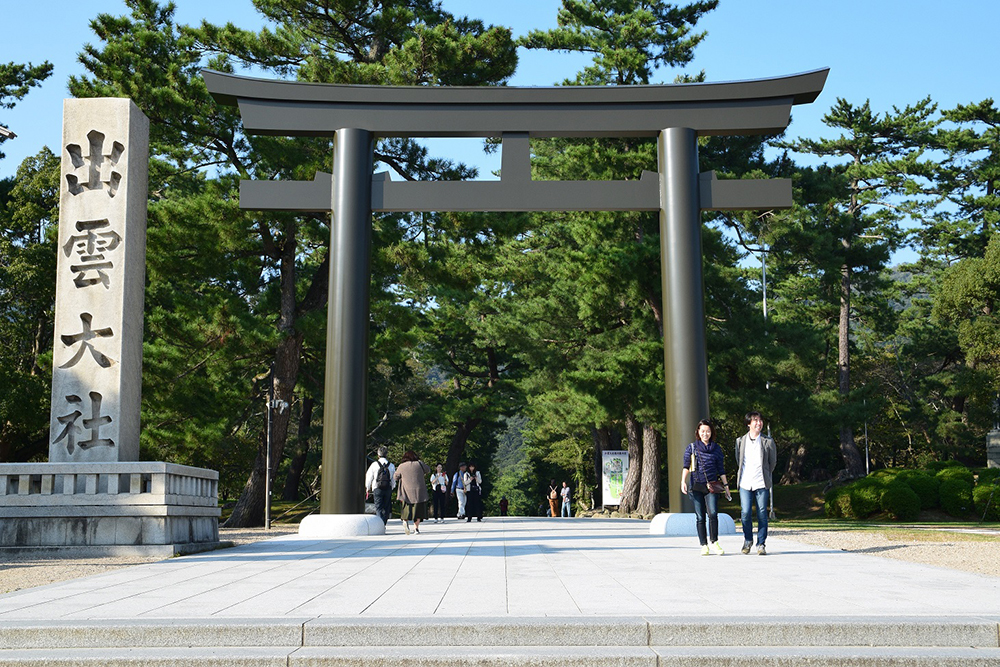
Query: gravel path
968,550
30,570
944,548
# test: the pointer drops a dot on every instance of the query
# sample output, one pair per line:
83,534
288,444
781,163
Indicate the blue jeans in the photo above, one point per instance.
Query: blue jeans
383,504
566,509
748,499
701,502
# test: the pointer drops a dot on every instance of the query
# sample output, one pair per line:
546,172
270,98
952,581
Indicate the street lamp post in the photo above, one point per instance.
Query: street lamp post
280,406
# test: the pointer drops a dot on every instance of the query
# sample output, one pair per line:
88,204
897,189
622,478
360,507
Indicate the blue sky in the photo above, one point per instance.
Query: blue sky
893,52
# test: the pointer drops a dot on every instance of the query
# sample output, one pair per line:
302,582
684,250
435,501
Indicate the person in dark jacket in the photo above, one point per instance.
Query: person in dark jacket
474,493
704,463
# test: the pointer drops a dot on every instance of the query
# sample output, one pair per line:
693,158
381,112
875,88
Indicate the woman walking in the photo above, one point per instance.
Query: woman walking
703,470
553,498
439,483
474,493
412,490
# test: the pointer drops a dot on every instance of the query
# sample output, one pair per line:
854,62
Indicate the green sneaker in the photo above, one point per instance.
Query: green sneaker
704,550
718,548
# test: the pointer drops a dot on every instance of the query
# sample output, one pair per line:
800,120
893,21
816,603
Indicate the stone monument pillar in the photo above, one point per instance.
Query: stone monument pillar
94,493
97,349
993,449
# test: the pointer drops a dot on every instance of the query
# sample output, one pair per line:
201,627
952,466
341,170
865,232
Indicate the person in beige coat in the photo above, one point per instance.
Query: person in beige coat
412,490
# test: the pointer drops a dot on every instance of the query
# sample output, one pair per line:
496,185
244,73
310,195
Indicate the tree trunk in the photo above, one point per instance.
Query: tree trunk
249,509
294,478
849,451
649,490
601,444
456,450
796,466
630,494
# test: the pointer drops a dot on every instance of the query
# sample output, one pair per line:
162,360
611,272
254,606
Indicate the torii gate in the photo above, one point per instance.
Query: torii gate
355,115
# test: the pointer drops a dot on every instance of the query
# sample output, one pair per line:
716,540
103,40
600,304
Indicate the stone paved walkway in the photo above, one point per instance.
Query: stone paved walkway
510,567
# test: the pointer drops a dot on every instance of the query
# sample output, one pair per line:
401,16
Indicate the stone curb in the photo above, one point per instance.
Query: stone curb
511,632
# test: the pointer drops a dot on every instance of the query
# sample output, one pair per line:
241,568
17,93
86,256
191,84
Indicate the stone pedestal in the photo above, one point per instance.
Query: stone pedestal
993,449
673,524
135,508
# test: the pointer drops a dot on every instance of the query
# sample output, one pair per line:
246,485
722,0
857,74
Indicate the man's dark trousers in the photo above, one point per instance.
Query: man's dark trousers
383,504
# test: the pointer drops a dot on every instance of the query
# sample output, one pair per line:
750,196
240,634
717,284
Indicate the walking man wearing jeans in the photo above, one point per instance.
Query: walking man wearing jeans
757,456
458,489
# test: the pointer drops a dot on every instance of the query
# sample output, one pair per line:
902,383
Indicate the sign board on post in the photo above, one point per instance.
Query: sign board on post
613,472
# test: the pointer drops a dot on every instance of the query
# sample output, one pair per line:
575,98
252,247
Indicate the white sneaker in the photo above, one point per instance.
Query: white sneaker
704,550
406,527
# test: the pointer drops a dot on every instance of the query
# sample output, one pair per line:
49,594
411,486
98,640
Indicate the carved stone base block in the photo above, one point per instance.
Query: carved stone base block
135,508
993,449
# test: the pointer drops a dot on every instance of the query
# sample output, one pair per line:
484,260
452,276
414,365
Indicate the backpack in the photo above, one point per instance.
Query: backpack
382,478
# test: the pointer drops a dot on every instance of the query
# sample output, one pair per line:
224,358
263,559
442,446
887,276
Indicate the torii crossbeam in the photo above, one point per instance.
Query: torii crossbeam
355,115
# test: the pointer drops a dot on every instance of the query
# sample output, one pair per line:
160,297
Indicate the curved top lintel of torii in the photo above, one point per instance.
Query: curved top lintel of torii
292,108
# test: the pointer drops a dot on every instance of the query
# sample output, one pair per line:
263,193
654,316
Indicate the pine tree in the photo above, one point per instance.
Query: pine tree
856,210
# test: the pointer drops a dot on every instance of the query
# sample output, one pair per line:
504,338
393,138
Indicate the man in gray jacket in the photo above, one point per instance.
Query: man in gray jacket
756,455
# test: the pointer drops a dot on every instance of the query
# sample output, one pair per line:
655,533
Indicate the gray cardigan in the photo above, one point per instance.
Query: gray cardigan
412,476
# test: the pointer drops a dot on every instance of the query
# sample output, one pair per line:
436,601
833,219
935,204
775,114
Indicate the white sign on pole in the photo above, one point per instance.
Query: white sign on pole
614,470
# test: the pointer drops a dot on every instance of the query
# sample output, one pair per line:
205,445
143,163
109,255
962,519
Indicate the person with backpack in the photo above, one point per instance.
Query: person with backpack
379,482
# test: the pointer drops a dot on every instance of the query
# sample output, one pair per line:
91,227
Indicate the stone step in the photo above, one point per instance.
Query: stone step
443,633
516,656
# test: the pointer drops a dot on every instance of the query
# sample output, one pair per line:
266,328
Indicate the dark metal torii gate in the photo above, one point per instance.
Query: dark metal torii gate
355,115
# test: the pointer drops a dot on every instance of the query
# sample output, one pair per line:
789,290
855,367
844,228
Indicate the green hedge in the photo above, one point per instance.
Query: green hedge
901,493
986,475
936,466
900,501
926,487
981,496
957,472
956,497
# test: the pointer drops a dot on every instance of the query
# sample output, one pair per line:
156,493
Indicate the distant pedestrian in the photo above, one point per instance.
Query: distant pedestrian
503,505
756,456
458,488
566,504
704,465
412,492
379,482
439,485
474,492
553,498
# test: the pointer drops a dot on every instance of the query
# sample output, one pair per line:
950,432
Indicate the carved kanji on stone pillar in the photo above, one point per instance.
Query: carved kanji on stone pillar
97,366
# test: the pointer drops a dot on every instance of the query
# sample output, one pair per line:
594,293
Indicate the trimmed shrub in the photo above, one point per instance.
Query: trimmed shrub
926,487
900,501
857,500
986,475
981,496
834,502
938,466
956,497
956,472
